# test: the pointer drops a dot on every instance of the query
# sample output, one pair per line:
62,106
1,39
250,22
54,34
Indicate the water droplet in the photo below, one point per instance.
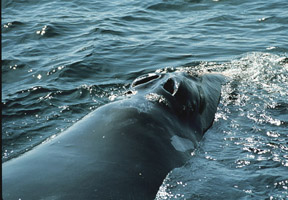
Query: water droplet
39,76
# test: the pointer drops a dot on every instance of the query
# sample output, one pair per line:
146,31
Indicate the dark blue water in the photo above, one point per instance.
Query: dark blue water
63,59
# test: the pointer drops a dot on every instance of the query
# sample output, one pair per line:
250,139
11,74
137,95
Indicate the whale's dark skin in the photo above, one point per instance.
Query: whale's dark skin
122,150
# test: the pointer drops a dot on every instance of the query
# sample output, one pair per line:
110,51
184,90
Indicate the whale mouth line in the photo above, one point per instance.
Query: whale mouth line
145,79
182,144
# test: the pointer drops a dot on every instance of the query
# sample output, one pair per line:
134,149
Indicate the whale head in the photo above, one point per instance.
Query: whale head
192,97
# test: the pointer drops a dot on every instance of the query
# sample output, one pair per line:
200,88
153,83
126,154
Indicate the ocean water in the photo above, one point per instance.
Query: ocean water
63,59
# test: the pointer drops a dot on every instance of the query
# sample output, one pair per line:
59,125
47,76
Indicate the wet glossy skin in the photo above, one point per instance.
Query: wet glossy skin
122,150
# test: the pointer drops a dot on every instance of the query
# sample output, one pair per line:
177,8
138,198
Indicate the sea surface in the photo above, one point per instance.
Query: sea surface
62,59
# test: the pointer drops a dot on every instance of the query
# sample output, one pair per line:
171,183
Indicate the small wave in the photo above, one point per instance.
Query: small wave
136,18
108,31
81,70
9,65
173,5
13,24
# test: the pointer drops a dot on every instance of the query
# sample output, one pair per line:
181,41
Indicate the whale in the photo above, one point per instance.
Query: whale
124,149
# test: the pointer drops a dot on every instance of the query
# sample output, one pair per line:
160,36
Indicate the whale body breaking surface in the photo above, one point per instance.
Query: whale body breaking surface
122,150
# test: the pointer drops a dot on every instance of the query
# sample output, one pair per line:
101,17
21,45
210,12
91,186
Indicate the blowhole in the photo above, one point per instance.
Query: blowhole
145,79
169,86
